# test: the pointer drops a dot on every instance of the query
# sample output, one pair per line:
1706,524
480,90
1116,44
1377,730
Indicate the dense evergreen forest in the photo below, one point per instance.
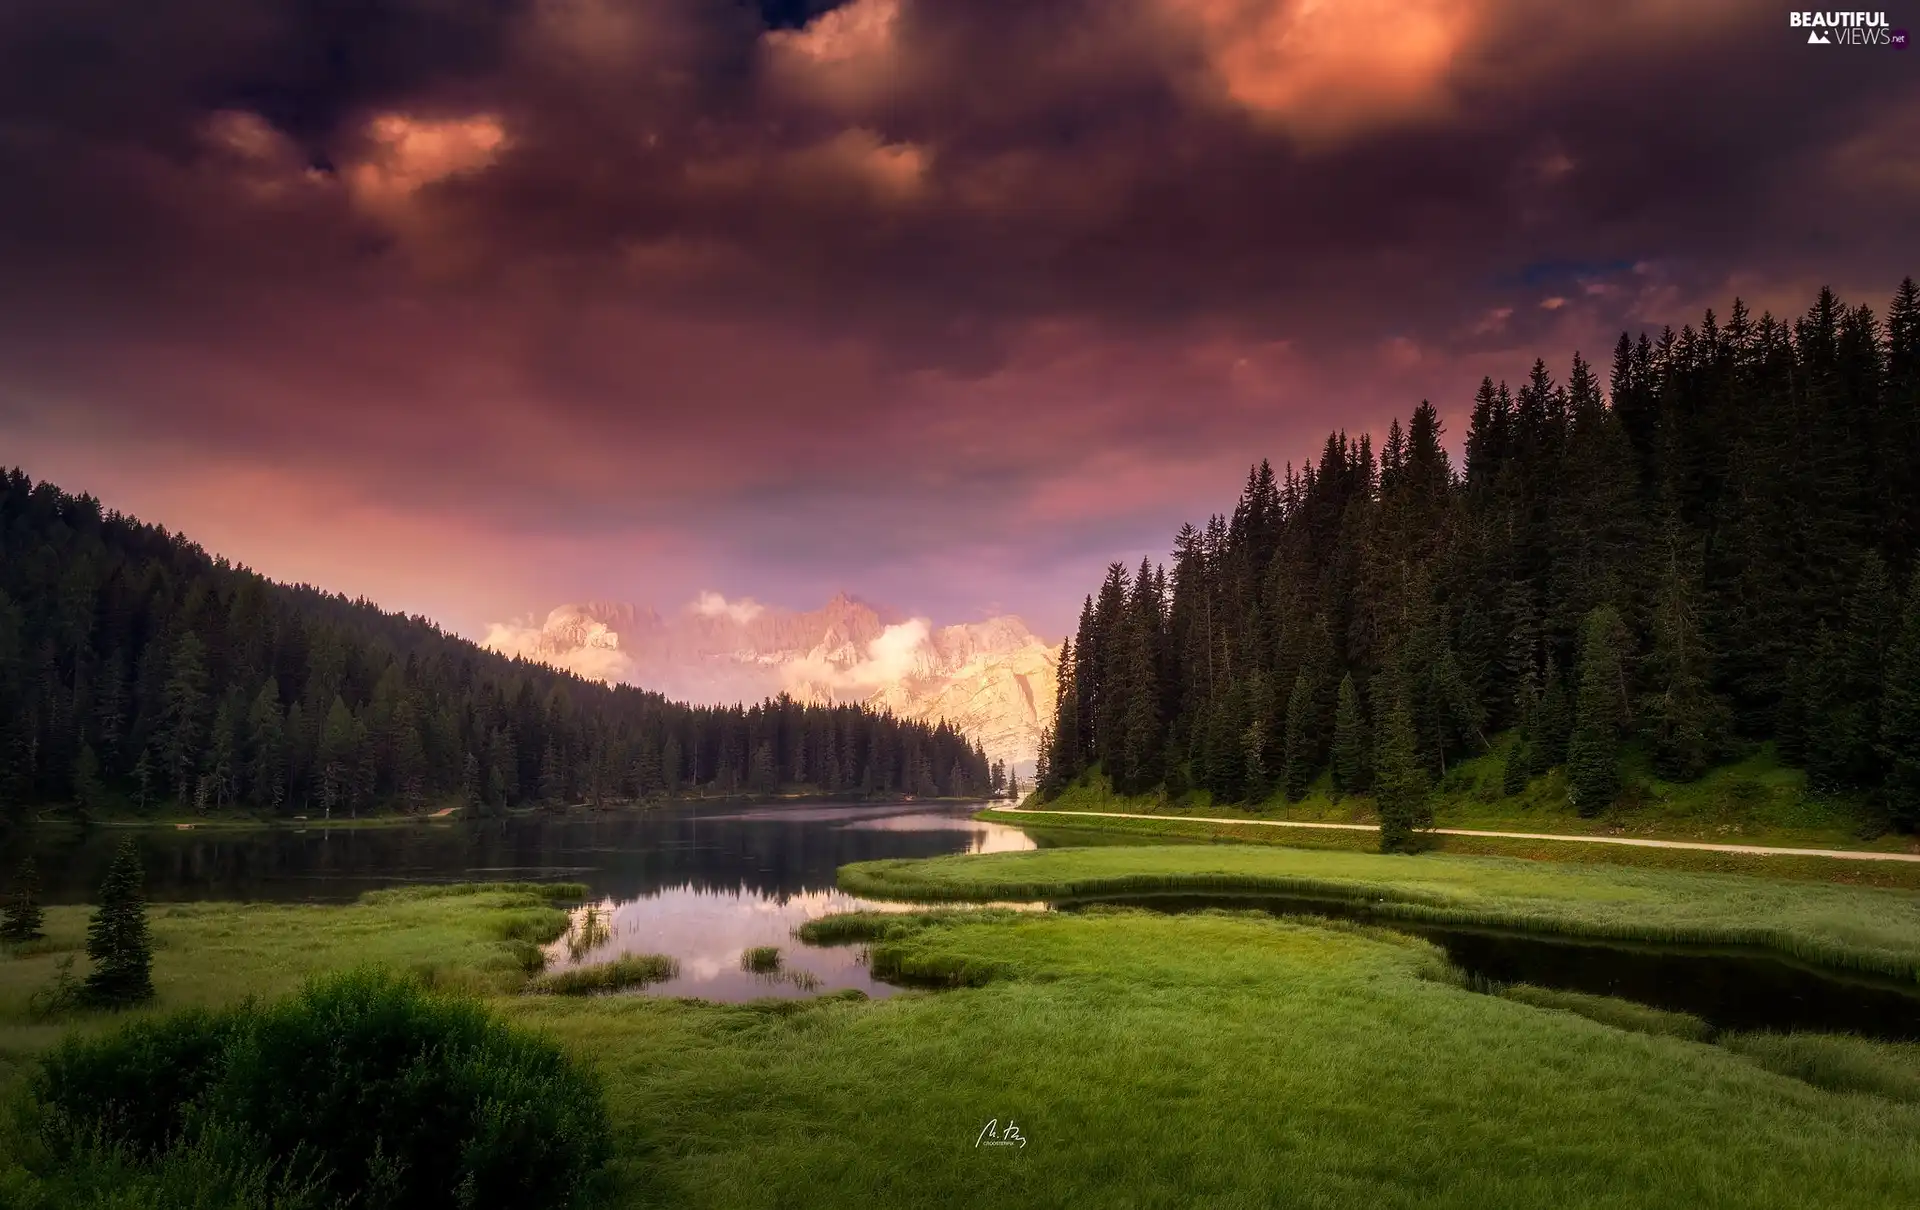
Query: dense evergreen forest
1708,554
135,670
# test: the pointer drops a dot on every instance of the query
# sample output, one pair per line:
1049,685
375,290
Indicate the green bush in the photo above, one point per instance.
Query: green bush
135,1088
387,1095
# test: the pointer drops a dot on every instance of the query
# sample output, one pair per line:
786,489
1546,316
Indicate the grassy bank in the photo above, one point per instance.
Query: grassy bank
1150,1061
1754,801
479,936
1078,828
1861,928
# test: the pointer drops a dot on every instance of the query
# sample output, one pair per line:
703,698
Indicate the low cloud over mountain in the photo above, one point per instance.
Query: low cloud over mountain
993,679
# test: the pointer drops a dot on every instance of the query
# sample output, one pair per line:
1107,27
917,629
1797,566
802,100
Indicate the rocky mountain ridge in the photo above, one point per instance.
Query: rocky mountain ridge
992,679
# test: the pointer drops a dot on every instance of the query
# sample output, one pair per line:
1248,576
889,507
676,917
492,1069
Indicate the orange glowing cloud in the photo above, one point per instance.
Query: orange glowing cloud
405,154
1325,70
843,57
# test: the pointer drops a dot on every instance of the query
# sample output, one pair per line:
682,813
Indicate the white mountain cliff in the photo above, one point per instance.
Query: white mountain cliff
994,680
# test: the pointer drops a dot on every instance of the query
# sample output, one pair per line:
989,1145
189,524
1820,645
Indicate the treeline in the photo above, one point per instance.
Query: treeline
135,670
1706,554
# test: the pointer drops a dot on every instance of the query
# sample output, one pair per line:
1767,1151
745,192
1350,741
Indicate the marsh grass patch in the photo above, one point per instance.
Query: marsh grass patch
627,971
537,891
1836,1062
1611,1010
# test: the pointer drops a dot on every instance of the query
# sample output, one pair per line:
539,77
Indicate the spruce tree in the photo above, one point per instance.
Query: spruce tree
1514,771
1900,717
1301,757
1400,784
1350,765
1790,714
183,721
1555,723
266,774
1066,742
1685,719
1519,766
117,940
1593,751
23,916
1843,706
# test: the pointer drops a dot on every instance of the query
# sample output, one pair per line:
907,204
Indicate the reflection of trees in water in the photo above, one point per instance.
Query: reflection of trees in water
622,857
588,930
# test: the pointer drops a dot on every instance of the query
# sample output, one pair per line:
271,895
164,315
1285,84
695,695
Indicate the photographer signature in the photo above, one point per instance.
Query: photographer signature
991,1135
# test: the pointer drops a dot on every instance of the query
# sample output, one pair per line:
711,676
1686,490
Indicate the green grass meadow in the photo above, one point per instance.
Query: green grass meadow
1859,928
1221,1059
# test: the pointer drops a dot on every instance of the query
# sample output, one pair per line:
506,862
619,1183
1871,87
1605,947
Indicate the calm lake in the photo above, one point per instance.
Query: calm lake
704,885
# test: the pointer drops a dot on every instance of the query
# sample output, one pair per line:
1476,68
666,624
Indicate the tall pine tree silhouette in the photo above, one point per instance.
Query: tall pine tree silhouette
1400,783
1593,751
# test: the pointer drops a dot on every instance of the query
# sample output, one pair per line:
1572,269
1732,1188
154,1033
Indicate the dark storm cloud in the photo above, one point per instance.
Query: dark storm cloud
832,284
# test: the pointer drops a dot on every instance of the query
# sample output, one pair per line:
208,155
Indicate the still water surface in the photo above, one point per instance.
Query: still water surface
701,885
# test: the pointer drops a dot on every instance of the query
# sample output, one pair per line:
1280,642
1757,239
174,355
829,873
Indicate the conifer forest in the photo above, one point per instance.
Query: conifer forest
1707,545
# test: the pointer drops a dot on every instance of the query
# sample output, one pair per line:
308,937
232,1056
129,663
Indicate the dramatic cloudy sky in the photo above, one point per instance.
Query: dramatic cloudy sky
475,306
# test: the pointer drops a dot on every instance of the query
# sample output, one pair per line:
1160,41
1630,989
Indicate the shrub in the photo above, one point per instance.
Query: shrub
431,1100
365,1086
134,1088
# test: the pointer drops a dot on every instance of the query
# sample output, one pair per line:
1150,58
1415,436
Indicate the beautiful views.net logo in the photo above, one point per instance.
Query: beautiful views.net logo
1848,29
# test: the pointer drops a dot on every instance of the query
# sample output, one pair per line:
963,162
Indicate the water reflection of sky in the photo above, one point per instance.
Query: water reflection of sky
709,929
986,837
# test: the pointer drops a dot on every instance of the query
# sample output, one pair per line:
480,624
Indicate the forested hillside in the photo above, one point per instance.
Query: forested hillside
1707,553
135,670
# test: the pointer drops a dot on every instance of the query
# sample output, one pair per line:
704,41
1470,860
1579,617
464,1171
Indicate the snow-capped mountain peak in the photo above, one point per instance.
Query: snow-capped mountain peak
992,679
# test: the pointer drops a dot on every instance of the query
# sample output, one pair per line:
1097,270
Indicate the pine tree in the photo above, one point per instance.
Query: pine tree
1555,723
1848,668
1400,784
1301,758
183,721
143,777
470,782
670,757
1514,770
337,756
117,939
553,783
1686,720
88,789
23,916
266,748
1790,714
1900,716
1593,751
1350,765
1067,742
1138,735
